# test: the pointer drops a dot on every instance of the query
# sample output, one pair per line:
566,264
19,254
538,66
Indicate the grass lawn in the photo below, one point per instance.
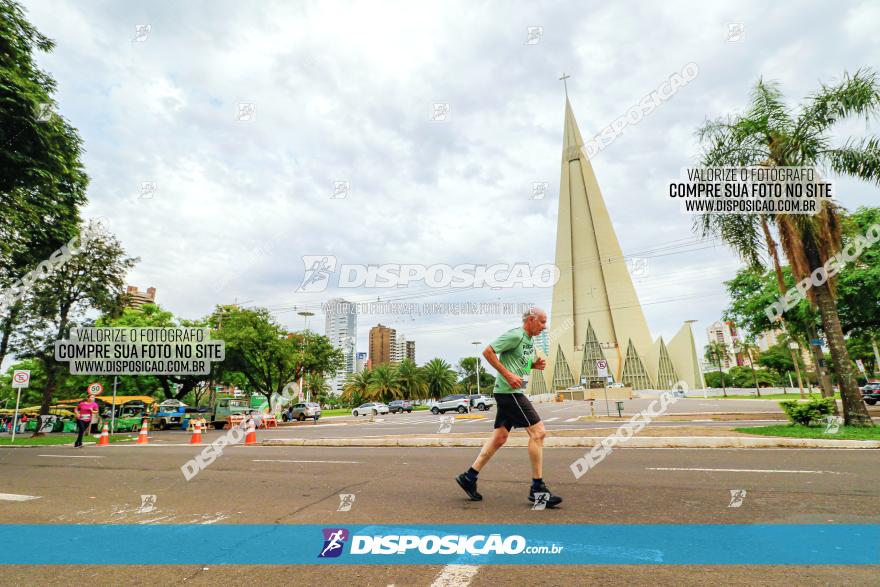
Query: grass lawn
50,439
775,396
347,411
798,431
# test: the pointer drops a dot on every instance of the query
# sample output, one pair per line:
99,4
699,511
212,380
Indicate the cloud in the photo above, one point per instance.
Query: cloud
343,92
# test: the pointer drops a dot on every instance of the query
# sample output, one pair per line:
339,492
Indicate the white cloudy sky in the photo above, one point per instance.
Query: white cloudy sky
343,93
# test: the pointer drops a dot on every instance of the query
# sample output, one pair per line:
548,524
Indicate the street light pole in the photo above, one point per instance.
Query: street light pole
477,344
305,314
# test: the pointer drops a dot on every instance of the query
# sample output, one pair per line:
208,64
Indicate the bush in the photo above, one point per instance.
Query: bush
806,412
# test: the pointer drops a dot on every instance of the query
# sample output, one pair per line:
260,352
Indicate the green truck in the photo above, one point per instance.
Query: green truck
228,406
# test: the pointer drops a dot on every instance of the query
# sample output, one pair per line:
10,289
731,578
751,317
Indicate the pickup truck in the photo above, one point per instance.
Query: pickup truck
228,406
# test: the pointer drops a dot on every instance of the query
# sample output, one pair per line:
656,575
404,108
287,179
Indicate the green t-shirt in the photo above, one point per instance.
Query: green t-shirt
514,348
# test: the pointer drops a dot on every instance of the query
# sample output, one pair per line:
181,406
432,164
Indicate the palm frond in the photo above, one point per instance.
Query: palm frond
857,158
767,112
857,94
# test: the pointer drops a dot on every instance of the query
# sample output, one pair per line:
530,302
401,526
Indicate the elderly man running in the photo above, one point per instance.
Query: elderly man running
512,355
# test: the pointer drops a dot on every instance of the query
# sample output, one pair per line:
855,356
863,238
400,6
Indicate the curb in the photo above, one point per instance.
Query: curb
589,441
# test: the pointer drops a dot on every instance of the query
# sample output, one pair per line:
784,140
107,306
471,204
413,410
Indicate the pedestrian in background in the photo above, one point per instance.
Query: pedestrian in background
85,412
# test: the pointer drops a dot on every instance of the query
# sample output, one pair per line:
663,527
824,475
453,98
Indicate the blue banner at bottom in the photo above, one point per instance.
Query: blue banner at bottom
420,544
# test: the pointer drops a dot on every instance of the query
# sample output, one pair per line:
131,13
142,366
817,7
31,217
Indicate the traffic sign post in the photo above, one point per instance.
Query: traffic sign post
20,379
113,408
602,371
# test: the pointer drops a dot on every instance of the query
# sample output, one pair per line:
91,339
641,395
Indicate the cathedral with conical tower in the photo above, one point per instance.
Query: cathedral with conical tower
596,313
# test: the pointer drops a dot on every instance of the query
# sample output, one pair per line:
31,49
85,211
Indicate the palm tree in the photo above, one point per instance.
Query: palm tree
385,384
770,134
717,353
355,390
316,384
440,378
746,348
412,380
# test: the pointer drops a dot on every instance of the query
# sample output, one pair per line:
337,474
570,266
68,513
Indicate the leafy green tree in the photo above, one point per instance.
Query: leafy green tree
42,182
268,356
778,359
769,134
440,378
153,316
92,279
29,395
467,368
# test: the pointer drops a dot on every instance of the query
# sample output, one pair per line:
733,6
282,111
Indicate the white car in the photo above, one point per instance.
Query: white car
374,408
452,403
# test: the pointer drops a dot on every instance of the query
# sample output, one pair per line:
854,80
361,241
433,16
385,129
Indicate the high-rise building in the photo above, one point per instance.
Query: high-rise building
725,333
341,329
542,342
596,313
383,345
767,339
135,298
411,350
360,362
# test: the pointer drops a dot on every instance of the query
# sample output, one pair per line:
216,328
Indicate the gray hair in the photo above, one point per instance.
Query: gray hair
533,311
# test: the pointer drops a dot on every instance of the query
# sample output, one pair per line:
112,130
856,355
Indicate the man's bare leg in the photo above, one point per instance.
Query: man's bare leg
490,447
537,433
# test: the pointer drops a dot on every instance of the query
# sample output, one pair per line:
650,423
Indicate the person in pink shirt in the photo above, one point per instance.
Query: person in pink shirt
85,412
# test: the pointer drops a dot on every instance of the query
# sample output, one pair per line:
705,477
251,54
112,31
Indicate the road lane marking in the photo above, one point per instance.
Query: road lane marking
292,461
740,470
16,497
550,419
72,456
572,419
455,576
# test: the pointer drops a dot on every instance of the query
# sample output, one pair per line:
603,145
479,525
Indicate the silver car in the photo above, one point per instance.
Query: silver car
452,403
374,408
307,410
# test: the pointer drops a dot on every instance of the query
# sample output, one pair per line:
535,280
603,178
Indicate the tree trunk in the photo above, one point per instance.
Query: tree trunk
8,325
821,372
854,411
754,375
876,356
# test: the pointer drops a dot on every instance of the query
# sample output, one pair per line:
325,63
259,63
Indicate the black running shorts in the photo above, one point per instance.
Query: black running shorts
514,410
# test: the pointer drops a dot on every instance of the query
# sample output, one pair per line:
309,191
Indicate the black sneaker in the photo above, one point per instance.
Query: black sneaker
552,500
470,487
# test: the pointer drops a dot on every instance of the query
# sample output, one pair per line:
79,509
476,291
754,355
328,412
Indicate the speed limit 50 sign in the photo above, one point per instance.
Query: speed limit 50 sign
95,388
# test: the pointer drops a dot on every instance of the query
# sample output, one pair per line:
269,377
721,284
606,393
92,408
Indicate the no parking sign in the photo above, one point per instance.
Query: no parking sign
21,378
602,368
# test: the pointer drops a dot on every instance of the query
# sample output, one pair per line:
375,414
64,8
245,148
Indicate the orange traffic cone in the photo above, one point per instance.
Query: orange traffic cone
142,436
251,437
197,434
104,440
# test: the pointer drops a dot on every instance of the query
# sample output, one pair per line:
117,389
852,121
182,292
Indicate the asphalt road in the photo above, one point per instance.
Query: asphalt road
556,416
301,485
